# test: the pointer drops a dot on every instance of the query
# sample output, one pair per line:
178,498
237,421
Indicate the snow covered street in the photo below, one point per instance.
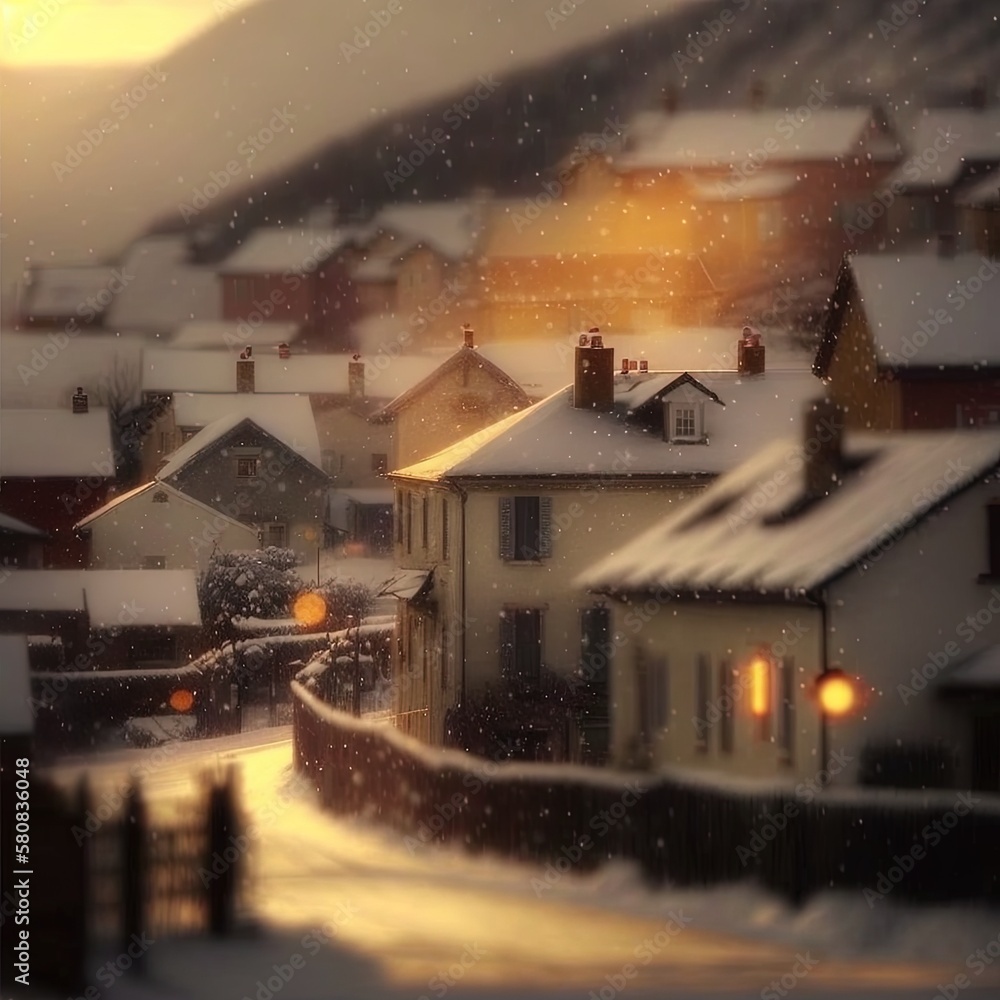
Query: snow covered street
368,914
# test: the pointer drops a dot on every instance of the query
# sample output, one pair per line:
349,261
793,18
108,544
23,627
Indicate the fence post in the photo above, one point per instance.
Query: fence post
222,822
133,873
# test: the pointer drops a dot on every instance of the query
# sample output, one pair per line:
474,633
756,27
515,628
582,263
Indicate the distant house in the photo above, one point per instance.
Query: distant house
493,529
233,335
21,544
73,297
259,473
979,215
292,275
816,605
56,466
466,393
910,340
156,526
106,619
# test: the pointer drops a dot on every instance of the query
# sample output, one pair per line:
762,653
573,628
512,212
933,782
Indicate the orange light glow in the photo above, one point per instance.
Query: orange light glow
309,609
837,695
181,700
760,686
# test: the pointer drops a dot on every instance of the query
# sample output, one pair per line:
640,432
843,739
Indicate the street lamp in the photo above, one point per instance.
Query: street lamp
837,697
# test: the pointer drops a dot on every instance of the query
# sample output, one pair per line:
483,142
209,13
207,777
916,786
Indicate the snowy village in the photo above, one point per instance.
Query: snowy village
502,502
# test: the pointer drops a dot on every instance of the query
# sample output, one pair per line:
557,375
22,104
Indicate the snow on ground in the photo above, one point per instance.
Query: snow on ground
334,566
373,915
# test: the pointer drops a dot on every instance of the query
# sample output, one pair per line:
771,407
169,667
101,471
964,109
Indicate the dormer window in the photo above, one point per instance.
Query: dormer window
685,422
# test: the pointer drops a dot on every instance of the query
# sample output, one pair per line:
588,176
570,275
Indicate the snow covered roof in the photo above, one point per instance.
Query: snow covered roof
464,357
767,184
449,227
905,296
168,370
379,267
56,443
12,526
278,250
28,379
979,670
981,194
163,290
110,597
63,291
553,438
967,135
294,427
406,584
15,686
231,333
732,540
368,495
725,137
284,415
172,495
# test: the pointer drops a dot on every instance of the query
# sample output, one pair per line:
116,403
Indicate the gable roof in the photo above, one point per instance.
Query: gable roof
905,296
553,438
728,541
969,136
63,291
56,444
464,358
303,440
983,193
280,250
12,526
722,138
451,228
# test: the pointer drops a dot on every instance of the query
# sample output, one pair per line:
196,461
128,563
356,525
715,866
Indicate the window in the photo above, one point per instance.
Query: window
425,517
652,693
684,422
443,658
595,635
154,562
328,462
148,648
702,701
246,468
727,698
242,289
399,519
993,521
521,645
525,528
274,534
785,722
445,539
380,463
408,518
166,442
761,700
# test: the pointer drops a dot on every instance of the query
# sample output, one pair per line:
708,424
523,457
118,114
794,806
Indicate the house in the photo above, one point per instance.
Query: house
258,472
979,215
70,298
56,466
809,606
155,526
910,340
292,275
493,529
215,335
21,544
949,152
466,393
416,262
107,619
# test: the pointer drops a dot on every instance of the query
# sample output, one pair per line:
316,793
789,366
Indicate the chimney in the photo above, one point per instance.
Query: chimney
80,404
245,371
757,94
284,352
356,378
750,353
823,433
468,335
594,377
947,245
670,100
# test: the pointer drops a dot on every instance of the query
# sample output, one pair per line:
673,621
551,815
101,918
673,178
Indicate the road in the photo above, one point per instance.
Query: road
419,920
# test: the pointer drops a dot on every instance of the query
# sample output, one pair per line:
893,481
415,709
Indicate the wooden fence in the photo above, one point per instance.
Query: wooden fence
690,832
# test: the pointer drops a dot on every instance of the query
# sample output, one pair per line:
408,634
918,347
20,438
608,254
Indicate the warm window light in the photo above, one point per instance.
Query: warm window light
181,700
760,686
837,694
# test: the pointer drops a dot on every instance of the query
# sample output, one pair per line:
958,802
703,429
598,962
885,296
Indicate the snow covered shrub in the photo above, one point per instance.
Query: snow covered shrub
347,603
259,584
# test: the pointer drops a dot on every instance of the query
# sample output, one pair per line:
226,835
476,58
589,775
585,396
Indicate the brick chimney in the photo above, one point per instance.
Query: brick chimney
245,371
823,438
80,404
594,376
284,351
356,378
468,336
750,353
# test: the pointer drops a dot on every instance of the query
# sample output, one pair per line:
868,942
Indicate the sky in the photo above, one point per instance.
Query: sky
102,32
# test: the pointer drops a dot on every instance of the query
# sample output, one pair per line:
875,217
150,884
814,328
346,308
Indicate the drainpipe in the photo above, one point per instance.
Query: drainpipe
464,497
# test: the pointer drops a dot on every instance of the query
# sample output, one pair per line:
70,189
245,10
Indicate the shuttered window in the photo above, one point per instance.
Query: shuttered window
445,537
521,645
595,636
726,700
525,528
702,700
785,722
